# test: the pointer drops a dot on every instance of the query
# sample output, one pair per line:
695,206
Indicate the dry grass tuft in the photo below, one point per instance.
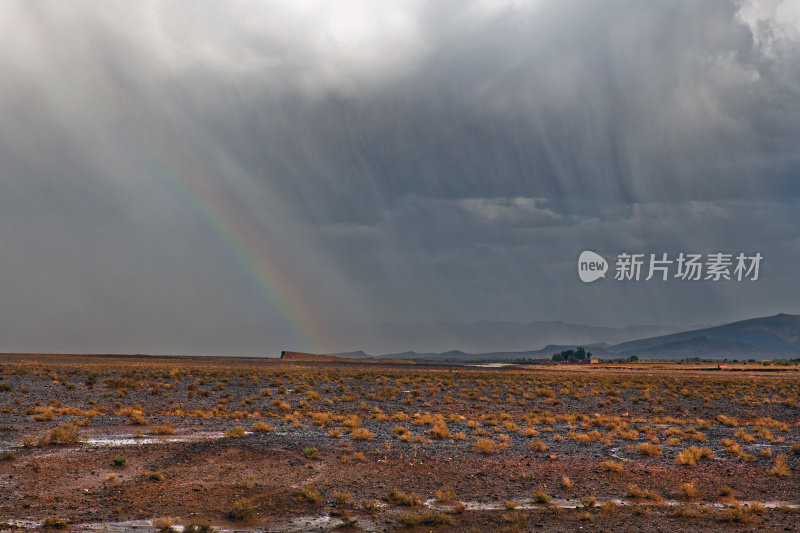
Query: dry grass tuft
399,497
445,494
692,454
310,494
262,427
781,468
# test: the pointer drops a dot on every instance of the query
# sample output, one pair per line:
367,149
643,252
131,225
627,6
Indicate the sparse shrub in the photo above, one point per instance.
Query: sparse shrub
241,511
347,522
164,525
642,494
609,508
727,420
164,429
119,461
155,476
613,466
439,430
262,427
401,498
648,449
431,518
589,501
733,514
566,483
44,415
537,446
540,497
65,435
199,528
688,492
236,432
445,494
692,454
54,523
725,492
311,452
362,434
310,494
369,505
137,419
796,448
486,446
343,498
781,468
692,511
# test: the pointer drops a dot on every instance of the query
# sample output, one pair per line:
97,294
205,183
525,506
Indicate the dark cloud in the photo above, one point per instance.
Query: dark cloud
396,161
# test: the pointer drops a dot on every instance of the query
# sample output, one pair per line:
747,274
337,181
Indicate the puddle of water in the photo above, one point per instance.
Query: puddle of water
130,440
306,523
527,503
23,524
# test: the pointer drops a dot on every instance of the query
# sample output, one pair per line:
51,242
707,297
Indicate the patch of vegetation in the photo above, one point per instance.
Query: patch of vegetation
540,497
310,494
362,434
54,523
199,528
236,432
242,511
119,461
65,435
164,429
688,492
648,449
343,498
692,454
613,466
431,518
311,452
445,494
164,525
440,430
636,493
262,427
537,446
486,446
398,497
369,505
780,468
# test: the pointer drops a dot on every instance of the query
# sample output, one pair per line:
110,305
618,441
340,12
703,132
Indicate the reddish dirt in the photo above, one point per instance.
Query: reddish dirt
203,476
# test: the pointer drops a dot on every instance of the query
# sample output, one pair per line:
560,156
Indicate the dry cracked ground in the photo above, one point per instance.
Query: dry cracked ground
146,444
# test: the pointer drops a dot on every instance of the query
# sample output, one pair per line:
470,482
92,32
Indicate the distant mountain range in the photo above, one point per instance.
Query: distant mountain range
483,337
769,337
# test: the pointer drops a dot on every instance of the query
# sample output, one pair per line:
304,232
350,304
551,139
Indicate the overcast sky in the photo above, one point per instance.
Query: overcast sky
242,177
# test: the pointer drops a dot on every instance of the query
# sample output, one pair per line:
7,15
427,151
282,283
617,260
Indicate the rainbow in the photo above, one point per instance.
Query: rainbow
298,318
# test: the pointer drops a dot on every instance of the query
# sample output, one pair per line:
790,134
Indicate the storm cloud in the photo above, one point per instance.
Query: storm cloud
245,177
